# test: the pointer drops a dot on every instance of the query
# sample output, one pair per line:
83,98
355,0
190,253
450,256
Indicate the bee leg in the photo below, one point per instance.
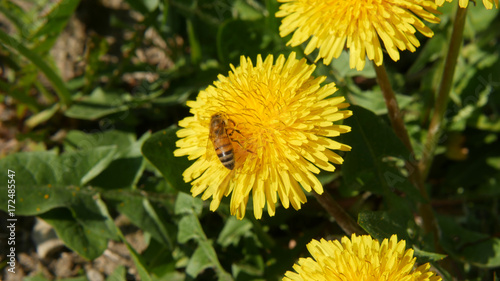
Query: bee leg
238,142
233,129
232,132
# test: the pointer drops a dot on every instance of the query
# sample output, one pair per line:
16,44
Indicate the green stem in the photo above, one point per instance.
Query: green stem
344,220
443,95
392,106
399,127
59,86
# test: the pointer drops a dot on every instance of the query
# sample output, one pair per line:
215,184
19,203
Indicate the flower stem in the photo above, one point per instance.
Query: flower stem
345,221
443,94
411,164
392,106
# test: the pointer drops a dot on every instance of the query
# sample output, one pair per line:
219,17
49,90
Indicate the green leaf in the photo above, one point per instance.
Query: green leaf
87,243
376,150
57,18
89,229
19,93
478,20
477,248
137,208
431,51
194,43
487,124
42,116
424,256
342,69
129,169
383,224
95,167
124,141
47,184
118,274
205,257
161,262
16,15
246,11
91,212
484,253
233,230
374,101
127,161
159,150
130,164
151,5
109,224
138,261
236,37
97,48
45,180
144,6
84,224
190,228
56,81
98,104
187,204
159,222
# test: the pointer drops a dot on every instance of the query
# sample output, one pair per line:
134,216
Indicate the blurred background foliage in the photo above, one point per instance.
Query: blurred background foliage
92,91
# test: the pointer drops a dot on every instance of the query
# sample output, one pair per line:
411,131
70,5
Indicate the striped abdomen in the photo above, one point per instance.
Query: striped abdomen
222,143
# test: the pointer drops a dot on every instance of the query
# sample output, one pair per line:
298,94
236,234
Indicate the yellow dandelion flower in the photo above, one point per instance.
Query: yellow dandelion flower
272,131
464,3
358,25
360,258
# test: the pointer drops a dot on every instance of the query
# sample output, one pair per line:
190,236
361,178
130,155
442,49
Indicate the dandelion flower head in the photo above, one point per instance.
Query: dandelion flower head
280,122
360,258
488,4
358,25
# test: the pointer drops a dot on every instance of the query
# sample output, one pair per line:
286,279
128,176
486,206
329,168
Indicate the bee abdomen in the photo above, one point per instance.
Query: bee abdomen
226,157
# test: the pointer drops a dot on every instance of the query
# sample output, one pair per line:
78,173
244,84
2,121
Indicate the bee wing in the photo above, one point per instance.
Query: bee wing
210,150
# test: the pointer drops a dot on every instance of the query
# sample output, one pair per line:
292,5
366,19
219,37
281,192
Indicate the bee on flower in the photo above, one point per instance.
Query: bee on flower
264,131
221,141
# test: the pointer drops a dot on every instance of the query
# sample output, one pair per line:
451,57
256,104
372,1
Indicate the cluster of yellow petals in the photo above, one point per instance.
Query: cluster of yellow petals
360,258
488,4
282,124
358,25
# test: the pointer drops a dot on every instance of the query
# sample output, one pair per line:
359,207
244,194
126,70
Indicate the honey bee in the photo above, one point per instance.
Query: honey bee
221,141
